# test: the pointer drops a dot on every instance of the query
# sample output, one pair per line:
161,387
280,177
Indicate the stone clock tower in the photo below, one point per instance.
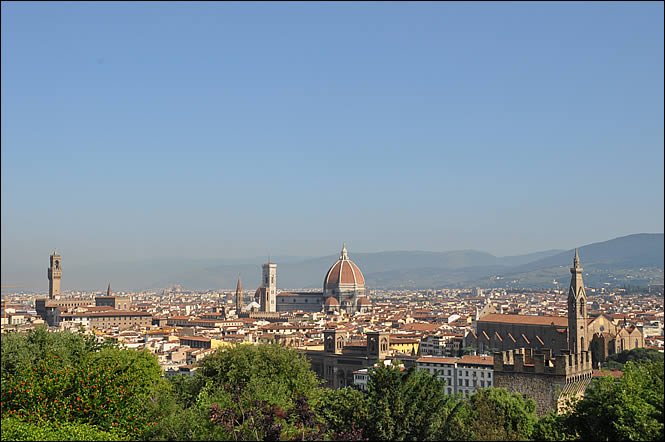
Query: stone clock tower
54,276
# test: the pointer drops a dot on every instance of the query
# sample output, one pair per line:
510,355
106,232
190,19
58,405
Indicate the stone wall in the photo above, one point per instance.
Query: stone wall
541,388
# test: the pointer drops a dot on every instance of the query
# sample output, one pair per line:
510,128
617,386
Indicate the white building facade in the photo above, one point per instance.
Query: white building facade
462,375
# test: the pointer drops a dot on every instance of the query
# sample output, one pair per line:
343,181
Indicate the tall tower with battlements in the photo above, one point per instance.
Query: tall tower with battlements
577,312
269,283
54,276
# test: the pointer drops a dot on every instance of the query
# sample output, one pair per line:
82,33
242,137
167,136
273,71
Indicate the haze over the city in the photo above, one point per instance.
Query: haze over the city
134,132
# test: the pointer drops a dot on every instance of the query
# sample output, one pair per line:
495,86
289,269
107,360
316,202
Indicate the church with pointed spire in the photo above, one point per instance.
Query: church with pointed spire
601,335
239,297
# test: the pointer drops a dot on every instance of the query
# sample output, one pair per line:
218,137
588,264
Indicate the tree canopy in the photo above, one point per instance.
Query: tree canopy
63,385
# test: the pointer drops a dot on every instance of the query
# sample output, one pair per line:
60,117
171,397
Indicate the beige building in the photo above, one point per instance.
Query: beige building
338,360
105,319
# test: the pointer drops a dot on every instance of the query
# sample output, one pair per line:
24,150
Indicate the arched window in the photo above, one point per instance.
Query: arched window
582,344
582,307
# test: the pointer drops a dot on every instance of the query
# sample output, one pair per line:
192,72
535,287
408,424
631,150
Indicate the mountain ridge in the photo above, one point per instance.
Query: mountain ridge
617,261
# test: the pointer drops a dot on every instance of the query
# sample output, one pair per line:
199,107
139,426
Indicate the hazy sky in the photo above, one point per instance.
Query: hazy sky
221,130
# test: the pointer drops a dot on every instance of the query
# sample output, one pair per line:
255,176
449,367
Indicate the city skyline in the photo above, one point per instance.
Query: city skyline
140,132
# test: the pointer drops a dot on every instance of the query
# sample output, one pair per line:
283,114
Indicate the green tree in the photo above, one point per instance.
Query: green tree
628,409
496,414
617,360
344,410
71,379
552,426
269,372
268,376
405,405
22,350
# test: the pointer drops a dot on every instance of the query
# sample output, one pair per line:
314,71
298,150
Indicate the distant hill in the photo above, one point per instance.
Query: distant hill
640,250
629,260
383,269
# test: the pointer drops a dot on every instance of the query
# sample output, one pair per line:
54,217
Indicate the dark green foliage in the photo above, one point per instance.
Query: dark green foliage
616,361
344,410
496,414
258,420
628,409
269,372
14,429
405,405
268,376
21,350
553,427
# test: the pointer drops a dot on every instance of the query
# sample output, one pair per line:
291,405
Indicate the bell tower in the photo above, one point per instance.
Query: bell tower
54,276
577,312
269,282
378,345
239,297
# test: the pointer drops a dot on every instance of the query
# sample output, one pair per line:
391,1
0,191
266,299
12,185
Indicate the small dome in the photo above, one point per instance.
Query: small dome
364,301
331,301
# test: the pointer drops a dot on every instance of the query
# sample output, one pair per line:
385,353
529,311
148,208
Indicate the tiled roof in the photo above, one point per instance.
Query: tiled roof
476,360
559,321
113,313
344,272
194,338
438,360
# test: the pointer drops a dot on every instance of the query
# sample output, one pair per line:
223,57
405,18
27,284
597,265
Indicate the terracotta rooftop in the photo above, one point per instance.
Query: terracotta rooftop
476,360
113,313
344,271
438,360
559,321
194,338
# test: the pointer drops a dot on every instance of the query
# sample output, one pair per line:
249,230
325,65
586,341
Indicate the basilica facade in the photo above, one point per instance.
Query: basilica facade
576,333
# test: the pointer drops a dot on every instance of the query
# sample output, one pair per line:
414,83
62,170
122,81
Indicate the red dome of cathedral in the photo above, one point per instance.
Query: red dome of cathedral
343,272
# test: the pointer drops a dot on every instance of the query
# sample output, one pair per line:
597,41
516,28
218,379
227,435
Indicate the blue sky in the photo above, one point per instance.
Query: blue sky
135,131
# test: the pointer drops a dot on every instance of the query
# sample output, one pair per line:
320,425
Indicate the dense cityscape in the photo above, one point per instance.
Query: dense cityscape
454,334
327,221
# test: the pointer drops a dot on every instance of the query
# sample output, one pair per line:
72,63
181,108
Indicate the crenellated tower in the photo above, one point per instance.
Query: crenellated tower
577,311
54,275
